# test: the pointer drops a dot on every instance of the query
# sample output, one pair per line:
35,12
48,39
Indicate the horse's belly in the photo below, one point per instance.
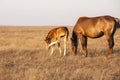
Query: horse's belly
94,34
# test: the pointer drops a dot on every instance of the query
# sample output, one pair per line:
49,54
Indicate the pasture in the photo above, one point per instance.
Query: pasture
23,56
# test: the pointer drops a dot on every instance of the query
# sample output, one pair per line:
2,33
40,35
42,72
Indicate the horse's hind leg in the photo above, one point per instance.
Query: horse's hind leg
110,40
83,40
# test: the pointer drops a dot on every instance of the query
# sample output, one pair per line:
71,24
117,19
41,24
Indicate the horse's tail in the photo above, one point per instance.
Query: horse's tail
117,22
74,41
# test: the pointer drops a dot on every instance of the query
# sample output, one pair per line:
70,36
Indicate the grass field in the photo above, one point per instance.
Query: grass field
23,56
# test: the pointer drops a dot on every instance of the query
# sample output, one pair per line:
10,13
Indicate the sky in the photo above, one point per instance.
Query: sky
54,12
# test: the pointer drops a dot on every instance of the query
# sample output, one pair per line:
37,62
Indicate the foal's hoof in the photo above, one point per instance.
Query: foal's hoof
83,55
65,55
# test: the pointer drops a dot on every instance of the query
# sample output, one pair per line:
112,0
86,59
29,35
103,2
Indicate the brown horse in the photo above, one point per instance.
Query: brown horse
54,37
93,27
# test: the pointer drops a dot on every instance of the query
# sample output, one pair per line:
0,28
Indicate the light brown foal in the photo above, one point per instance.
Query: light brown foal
54,37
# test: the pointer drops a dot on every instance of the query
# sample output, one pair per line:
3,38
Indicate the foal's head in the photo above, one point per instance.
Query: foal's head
47,40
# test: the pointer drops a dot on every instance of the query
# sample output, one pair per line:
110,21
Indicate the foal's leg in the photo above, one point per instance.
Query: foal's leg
59,47
110,40
83,40
52,50
65,42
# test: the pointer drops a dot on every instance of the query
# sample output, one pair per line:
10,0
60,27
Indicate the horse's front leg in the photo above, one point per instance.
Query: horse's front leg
83,40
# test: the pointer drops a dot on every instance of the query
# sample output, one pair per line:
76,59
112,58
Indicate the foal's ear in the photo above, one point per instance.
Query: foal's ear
45,39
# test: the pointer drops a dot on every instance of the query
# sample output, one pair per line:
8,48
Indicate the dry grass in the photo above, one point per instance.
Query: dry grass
23,56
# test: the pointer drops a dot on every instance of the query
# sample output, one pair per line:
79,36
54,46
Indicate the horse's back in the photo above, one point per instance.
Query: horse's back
94,26
89,20
95,22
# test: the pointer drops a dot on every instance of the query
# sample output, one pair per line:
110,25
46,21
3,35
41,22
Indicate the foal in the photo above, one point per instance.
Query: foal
94,27
54,37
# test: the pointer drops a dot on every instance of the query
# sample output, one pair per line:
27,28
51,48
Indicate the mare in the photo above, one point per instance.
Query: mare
93,27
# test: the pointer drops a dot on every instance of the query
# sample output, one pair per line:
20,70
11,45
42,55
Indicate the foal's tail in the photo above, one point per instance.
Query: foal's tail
67,33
